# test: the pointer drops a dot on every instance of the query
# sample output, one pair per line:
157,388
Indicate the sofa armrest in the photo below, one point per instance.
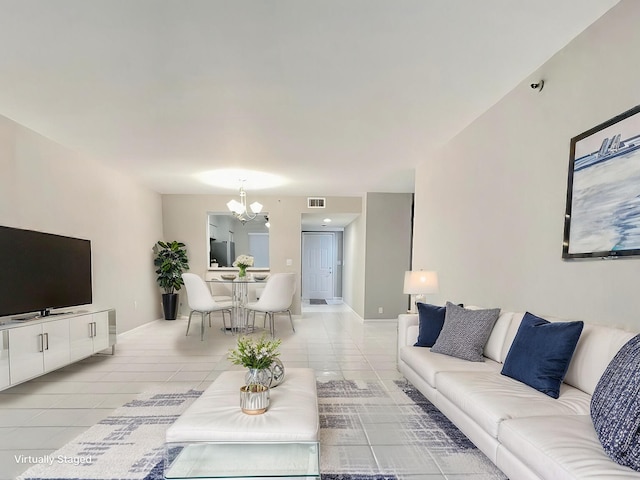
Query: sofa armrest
408,325
407,329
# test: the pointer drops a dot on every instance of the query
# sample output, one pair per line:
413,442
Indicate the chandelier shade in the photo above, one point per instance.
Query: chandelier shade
239,208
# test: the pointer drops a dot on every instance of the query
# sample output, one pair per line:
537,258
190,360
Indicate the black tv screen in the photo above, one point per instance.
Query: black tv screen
40,271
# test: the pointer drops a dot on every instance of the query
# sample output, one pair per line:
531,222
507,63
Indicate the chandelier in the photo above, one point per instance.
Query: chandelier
239,208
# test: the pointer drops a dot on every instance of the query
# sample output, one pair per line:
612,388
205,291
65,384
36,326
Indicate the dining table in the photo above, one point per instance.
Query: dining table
239,300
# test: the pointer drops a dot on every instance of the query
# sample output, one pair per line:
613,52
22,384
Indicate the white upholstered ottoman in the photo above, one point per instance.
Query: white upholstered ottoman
214,439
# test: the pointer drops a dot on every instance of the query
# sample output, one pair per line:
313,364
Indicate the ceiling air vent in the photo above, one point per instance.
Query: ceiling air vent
316,202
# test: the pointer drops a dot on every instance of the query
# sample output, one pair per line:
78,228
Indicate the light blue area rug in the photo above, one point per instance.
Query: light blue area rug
368,431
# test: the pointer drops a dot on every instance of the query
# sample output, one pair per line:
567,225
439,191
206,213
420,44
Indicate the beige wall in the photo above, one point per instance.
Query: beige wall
353,269
48,188
490,205
185,220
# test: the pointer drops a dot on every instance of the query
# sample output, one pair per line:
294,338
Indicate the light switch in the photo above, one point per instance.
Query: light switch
289,262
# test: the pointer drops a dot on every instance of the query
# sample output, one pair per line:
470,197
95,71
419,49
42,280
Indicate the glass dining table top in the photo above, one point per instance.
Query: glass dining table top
237,280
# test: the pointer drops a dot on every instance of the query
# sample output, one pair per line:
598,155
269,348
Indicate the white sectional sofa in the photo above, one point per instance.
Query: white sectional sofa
527,434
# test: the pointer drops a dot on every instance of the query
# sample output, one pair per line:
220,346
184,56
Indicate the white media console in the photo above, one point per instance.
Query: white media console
30,348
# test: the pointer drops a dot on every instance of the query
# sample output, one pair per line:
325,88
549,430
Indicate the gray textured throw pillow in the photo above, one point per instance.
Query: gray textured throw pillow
615,406
465,332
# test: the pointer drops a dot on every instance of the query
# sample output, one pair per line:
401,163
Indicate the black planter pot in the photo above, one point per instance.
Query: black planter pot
170,305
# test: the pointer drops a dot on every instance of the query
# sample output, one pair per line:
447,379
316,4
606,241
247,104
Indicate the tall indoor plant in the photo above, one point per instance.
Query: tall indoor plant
170,261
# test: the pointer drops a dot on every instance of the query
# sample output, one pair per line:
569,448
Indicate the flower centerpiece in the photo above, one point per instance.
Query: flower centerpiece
257,356
242,262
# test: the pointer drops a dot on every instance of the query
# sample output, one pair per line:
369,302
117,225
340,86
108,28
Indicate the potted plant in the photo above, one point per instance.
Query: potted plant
257,356
170,261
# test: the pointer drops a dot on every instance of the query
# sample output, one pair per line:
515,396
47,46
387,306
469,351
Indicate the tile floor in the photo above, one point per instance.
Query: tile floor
40,416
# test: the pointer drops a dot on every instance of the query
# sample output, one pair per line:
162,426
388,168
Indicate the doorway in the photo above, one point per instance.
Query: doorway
319,266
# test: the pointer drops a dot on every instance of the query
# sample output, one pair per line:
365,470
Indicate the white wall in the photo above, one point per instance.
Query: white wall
490,204
185,220
46,187
354,263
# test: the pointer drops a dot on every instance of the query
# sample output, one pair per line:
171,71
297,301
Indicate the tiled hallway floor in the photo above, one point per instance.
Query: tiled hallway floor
40,416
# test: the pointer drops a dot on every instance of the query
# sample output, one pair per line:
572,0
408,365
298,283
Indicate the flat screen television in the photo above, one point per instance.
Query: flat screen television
40,271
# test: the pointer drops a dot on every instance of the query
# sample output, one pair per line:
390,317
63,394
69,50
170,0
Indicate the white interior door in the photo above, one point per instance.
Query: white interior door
318,259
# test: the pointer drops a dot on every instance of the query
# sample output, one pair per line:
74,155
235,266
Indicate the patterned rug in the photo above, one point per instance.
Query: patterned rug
368,431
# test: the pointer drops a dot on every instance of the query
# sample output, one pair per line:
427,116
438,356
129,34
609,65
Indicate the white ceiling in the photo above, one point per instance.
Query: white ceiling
326,221
340,97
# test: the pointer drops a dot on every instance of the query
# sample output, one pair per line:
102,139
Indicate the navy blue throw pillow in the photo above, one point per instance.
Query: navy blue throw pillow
540,353
615,406
431,319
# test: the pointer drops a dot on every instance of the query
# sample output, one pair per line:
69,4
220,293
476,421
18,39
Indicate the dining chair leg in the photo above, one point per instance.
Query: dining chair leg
224,320
202,314
291,320
209,315
189,323
272,326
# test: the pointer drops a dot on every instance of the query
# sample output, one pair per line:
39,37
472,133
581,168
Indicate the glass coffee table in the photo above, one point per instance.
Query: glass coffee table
214,439
244,460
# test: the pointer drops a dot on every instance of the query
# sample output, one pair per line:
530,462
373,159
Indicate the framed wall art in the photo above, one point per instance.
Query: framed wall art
602,217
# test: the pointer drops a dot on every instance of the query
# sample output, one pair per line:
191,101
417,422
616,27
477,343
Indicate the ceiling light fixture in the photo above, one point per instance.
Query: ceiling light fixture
239,208
253,180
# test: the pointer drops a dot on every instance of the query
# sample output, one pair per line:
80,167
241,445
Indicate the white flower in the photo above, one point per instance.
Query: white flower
253,353
243,260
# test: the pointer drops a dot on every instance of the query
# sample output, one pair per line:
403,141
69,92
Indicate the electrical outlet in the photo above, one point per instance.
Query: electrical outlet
289,262
380,310
135,304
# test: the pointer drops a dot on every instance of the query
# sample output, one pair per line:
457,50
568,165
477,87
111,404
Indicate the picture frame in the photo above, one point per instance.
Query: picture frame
602,216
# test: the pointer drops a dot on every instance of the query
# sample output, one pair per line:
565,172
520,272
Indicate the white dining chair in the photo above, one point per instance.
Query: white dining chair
276,297
201,301
221,292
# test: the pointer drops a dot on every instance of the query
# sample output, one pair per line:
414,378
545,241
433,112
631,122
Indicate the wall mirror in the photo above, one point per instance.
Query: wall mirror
227,237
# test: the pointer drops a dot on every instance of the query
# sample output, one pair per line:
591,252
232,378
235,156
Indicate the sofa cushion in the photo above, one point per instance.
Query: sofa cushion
465,332
511,333
489,398
428,364
615,406
431,321
559,448
596,348
493,348
540,353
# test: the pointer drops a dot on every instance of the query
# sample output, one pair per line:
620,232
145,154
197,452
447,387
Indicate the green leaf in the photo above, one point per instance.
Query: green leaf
171,261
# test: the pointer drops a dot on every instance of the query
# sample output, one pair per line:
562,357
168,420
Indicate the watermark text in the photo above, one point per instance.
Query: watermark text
51,459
